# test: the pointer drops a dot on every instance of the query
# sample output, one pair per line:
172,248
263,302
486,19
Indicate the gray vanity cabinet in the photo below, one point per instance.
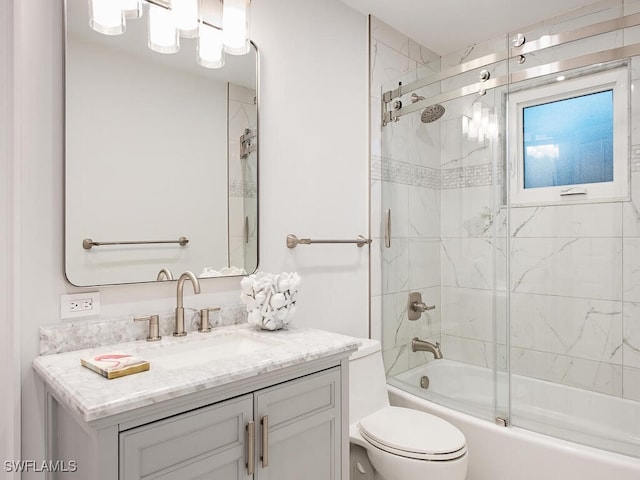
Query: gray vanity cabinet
299,425
296,435
205,443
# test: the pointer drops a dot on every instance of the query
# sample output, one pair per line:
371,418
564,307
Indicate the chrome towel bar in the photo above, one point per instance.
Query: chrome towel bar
293,241
88,244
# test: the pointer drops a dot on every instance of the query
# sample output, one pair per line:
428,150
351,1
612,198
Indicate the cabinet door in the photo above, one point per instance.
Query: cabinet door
302,440
209,442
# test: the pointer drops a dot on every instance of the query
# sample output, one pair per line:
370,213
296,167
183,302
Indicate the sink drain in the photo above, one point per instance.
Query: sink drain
424,381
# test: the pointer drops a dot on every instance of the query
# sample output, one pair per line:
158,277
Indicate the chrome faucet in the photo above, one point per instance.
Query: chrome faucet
418,345
179,330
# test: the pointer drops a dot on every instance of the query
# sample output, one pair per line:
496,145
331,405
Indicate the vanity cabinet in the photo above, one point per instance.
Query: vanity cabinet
208,442
290,430
278,430
276,414
299,429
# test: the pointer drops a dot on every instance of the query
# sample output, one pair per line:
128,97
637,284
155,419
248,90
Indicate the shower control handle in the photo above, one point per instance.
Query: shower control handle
422,307
416,307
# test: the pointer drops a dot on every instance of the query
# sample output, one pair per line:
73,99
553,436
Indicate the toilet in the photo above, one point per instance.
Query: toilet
400,443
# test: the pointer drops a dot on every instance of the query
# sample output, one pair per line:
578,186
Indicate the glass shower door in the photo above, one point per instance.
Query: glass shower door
442,184
574,370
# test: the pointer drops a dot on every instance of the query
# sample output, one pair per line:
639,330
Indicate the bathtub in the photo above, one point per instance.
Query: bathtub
517,453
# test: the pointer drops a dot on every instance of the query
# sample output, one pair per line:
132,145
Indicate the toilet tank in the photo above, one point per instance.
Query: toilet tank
367,382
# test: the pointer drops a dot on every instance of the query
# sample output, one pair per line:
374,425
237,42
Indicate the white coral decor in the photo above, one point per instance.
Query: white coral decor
270,298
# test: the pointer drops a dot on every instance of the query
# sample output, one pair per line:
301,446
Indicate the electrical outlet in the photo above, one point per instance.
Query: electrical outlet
80,305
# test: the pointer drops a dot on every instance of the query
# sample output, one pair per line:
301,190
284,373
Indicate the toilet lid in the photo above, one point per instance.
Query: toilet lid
412,433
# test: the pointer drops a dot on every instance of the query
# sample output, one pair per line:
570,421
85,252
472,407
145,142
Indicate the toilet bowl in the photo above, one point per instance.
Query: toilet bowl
401,443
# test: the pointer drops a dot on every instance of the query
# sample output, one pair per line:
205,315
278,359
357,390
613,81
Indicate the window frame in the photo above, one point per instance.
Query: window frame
615,79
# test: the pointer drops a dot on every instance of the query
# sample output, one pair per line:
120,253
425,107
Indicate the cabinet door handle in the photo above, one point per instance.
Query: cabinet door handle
265,441
250,447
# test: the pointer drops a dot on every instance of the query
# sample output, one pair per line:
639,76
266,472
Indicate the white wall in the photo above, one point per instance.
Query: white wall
9,359
313,174
313,153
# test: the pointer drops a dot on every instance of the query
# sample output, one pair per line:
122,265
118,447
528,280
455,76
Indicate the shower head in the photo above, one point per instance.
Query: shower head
432,113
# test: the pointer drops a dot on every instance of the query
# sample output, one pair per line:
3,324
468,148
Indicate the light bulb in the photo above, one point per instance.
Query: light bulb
186,17
106,17
163,35
210,47
235,26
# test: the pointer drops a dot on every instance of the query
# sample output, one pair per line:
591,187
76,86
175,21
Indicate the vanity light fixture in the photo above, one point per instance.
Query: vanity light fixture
171,19
132,9
106,17
162,30
235,26
210,47
186,15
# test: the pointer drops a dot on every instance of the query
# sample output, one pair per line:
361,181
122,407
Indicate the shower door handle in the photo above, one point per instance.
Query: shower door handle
387,228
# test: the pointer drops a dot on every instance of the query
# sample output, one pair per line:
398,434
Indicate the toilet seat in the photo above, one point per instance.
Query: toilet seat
413,434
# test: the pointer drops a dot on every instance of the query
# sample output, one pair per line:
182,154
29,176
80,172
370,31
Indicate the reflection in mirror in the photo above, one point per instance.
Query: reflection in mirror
157,148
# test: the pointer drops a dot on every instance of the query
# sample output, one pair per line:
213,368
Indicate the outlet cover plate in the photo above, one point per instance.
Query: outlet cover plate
80,305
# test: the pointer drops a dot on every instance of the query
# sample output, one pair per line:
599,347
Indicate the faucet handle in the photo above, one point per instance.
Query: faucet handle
422,307
416,307
154,327
204,319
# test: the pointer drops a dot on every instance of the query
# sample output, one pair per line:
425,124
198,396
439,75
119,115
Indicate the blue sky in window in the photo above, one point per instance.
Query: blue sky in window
569,141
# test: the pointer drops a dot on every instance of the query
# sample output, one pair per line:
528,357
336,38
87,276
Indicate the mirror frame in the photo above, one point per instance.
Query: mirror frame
228,183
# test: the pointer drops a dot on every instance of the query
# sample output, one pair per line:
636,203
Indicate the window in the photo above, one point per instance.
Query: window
571,140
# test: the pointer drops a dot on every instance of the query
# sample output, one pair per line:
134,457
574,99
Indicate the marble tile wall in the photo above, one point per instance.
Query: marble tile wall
406,172
573,273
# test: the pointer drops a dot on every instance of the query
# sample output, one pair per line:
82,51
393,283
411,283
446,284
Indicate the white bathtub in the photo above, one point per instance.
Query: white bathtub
513,453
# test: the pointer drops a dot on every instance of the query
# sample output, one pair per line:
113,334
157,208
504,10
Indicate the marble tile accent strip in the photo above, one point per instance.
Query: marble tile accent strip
470,176
395,171
81,334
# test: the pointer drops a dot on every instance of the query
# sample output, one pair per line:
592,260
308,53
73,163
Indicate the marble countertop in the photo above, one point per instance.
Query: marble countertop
94,397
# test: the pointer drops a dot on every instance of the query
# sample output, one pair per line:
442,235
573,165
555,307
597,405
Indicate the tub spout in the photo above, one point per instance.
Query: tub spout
418,345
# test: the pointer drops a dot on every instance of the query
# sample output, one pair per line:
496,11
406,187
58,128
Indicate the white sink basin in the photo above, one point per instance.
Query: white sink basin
193,352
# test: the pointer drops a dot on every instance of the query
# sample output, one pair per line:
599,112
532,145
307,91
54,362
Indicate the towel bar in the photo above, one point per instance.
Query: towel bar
88,244
293,241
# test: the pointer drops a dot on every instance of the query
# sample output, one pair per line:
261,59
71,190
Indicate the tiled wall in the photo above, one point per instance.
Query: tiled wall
574,282
573,273
407,175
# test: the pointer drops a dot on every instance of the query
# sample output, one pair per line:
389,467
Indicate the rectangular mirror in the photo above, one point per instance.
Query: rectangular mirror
158,148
